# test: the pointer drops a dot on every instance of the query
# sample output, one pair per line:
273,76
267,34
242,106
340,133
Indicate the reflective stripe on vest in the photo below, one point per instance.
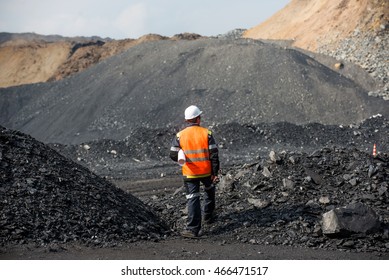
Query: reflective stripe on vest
194,143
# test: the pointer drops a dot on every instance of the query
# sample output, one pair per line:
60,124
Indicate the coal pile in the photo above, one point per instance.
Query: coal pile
280,179
139,155
150,85
144,152
46,198
281,199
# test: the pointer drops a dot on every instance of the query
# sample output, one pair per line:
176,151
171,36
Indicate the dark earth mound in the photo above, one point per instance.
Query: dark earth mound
150,85
46,198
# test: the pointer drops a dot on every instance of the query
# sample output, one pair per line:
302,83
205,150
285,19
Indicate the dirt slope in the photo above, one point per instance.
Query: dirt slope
32,58
310,24
31,62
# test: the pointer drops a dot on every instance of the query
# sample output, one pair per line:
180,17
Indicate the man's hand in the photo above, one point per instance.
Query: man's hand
215,179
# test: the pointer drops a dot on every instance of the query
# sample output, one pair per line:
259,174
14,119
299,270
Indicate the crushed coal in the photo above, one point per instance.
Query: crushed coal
143,153
281,200
47,198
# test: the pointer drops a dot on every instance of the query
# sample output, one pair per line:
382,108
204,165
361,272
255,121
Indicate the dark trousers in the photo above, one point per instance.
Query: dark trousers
193,200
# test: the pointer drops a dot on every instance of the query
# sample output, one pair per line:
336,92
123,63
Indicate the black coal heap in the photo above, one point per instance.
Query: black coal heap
45,197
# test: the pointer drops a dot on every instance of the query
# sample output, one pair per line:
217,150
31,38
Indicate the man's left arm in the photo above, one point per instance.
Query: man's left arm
213,154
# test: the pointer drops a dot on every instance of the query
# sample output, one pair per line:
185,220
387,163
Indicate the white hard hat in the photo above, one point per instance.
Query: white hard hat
192,112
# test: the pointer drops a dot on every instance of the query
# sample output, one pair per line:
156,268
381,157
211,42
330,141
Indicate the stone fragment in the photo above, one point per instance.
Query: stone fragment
86,147
382,190
266,172
274,157
292,160
259,203
316,178
324,200
372,171
287,183
227,183
349,244
339,65
353,182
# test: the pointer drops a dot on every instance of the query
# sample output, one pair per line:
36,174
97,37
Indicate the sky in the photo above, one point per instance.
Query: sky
121,19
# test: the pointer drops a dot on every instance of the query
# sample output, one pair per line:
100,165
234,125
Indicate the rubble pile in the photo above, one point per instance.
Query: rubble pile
47,198
369,50
281,200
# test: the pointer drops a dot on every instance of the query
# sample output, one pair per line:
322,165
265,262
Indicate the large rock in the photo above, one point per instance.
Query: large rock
353,218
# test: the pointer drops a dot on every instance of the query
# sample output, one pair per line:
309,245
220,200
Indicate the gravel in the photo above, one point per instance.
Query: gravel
368,50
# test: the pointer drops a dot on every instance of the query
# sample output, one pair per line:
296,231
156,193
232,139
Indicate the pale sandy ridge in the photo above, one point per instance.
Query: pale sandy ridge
312,24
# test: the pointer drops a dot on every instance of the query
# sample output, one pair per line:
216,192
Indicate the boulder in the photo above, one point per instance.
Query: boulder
348,220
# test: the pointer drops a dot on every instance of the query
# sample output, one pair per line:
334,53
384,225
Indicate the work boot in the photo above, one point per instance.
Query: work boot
189,234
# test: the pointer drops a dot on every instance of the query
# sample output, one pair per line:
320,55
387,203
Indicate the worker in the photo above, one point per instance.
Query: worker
201,166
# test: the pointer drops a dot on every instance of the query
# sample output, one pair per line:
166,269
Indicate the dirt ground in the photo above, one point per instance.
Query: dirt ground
179,248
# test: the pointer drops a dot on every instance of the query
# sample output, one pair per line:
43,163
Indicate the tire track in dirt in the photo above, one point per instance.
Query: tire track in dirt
149,187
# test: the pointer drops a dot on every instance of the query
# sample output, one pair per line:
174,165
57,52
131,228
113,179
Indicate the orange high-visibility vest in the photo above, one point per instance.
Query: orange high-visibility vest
194,143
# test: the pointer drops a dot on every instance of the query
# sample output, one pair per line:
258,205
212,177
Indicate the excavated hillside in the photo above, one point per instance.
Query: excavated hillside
32,58
349,30
312,24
